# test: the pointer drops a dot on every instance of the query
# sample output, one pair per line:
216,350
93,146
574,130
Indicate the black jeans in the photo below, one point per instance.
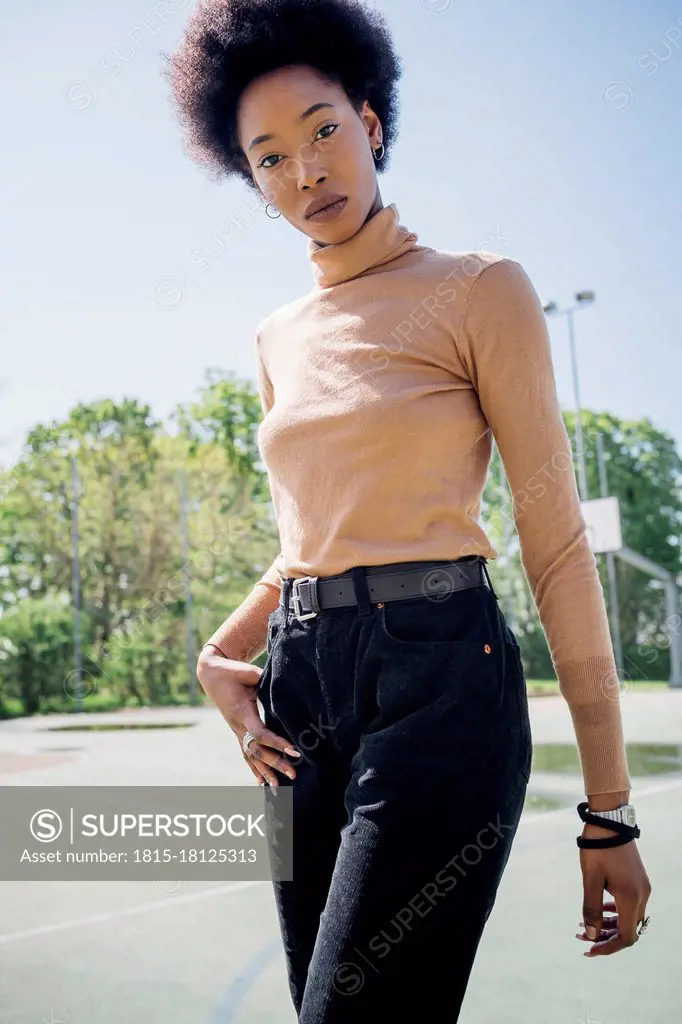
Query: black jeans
412,720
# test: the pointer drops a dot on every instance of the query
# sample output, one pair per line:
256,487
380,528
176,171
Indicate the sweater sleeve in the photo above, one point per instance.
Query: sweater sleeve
243,635
504,343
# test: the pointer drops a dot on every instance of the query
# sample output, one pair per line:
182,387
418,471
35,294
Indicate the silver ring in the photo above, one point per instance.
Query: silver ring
248,738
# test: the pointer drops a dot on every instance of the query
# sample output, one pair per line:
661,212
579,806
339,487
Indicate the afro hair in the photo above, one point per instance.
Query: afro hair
229,43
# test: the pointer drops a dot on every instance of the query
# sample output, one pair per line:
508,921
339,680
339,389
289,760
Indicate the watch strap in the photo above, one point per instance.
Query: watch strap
625,832
625,813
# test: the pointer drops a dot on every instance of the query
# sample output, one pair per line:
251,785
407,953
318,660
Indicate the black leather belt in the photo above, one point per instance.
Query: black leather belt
313,594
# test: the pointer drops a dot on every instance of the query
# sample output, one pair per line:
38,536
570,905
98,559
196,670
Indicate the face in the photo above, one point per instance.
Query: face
305,143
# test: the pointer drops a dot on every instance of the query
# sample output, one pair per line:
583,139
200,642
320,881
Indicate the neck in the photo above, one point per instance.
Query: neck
381,238
375,207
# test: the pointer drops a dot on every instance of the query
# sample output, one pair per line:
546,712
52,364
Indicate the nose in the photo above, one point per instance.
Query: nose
310,173
309,182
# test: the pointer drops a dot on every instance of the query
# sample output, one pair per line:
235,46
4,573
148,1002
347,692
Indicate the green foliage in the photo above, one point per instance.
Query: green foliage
644,470
149,664
132,473
130,539
227,415
36,653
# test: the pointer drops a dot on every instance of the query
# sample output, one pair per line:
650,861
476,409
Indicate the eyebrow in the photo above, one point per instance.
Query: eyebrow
302,117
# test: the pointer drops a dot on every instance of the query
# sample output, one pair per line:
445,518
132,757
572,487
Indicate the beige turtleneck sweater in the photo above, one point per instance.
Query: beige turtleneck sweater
382,389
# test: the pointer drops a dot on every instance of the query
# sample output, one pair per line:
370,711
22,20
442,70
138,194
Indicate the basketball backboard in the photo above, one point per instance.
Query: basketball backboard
602,517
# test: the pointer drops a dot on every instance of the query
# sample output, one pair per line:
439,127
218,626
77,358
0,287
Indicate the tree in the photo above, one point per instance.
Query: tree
644,471
130,542
36,654
227,415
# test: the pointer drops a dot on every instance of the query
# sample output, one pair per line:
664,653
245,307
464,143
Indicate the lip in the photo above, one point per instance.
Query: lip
321,206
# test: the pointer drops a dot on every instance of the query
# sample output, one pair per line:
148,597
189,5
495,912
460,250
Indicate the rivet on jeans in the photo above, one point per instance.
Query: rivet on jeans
487,648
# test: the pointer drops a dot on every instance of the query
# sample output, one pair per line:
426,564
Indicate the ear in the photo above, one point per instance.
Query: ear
372,124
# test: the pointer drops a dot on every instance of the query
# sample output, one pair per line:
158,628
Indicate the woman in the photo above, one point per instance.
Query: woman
393,695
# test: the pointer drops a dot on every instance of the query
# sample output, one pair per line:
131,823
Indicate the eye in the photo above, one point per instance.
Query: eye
334,125
268,157
273,156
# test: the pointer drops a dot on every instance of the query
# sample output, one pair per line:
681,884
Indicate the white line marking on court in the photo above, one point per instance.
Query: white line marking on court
635,795
139,908
663,788
142,908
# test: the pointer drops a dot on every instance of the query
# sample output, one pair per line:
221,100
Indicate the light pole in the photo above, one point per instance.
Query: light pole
76,576
191,653
551,309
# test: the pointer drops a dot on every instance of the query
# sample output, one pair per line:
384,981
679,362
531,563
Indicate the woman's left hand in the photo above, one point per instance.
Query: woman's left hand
619,871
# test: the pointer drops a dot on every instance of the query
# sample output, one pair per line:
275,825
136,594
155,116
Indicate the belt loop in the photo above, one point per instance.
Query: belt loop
361,590
286,595
487,575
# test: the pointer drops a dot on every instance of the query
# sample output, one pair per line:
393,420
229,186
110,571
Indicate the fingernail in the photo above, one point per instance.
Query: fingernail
591,932
292,752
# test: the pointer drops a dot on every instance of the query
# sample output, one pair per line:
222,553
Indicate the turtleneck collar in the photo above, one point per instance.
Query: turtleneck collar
380,239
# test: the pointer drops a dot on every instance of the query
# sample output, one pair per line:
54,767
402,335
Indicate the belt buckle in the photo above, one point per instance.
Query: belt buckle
311,581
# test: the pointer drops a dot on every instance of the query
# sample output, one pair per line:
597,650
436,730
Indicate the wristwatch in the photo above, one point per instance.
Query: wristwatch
625,814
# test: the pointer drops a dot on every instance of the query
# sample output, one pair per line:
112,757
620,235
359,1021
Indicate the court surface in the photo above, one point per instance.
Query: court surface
204,953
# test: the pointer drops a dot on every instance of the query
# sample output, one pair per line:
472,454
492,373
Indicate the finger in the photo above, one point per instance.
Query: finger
628,906
645,895
607,923
269,775
262,771
265,737
253,769
593,895
259,750
628,914
641,914
608,905
269,757
606,933
606,947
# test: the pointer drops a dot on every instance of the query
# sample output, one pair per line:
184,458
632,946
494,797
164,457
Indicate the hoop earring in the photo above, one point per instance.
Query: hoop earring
379,147
278,214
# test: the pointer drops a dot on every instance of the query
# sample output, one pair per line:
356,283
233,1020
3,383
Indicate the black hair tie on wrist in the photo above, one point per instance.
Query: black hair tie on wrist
626,833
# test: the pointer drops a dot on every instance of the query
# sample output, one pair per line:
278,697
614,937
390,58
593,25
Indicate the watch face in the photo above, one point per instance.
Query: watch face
630,818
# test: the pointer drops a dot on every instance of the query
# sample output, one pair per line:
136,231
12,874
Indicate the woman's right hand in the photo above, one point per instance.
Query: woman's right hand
233,688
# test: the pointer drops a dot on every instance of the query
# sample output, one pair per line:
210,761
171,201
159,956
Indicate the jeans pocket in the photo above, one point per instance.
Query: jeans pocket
460,617
418,679
263,685
273,628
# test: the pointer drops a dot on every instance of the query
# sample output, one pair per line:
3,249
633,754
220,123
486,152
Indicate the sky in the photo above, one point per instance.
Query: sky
546,132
